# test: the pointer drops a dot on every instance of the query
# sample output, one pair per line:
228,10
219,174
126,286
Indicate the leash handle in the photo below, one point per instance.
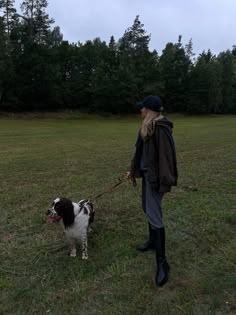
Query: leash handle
133,180
129,178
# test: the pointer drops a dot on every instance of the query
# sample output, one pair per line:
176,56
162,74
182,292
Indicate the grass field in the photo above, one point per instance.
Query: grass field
79,158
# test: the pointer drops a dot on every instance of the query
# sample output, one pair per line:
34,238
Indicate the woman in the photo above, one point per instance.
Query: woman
155,162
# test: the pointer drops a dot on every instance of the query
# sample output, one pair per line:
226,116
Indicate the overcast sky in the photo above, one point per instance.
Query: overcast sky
210,23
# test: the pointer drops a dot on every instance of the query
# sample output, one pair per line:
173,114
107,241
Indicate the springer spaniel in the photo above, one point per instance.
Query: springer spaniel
76,219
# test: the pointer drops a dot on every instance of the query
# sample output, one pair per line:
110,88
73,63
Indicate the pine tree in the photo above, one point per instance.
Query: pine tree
2,57
205,96
113,52
55,37
226,59
189,50
175,66
135,40
7,75
9,14
36,20
137,62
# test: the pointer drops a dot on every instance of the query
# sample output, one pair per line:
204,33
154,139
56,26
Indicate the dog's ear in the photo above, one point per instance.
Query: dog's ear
62,205
91,205
65,209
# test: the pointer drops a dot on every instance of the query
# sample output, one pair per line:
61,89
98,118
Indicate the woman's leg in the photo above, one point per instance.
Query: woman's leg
150,243
153,208
155,218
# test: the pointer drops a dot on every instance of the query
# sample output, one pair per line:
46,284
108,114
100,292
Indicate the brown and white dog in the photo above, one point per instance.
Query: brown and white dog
76,218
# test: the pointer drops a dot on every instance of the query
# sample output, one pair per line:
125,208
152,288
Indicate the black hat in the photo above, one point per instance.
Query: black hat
152,102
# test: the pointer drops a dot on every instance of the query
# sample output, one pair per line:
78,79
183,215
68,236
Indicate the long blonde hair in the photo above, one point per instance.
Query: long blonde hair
148,124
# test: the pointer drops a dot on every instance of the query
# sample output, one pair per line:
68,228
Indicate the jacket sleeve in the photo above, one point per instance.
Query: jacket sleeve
134,167
167,168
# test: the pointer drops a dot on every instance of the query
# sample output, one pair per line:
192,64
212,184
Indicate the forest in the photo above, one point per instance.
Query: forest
41,71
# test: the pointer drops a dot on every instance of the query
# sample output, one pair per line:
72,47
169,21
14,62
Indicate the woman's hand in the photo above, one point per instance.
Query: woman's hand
131,177
128,174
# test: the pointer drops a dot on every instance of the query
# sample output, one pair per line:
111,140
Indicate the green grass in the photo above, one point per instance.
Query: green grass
78,158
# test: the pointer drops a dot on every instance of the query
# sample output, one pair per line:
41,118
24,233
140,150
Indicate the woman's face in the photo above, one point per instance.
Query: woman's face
144,112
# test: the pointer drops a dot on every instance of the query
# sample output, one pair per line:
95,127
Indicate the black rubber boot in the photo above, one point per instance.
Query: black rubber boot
150,244
163,267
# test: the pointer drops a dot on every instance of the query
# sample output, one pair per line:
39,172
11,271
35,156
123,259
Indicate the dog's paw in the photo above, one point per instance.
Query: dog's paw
84,257
72,254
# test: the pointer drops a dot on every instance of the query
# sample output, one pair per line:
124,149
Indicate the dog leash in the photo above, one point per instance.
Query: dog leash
121,180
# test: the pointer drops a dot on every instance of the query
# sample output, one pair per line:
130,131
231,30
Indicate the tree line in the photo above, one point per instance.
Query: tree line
41,71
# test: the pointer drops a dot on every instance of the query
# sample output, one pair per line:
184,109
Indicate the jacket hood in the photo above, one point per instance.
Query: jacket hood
165,122
159,121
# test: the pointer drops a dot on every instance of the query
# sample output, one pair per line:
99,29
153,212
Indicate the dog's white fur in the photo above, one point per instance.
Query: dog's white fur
76,219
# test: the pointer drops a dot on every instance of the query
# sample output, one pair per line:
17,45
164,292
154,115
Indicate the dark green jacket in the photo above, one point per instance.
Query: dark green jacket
158,156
